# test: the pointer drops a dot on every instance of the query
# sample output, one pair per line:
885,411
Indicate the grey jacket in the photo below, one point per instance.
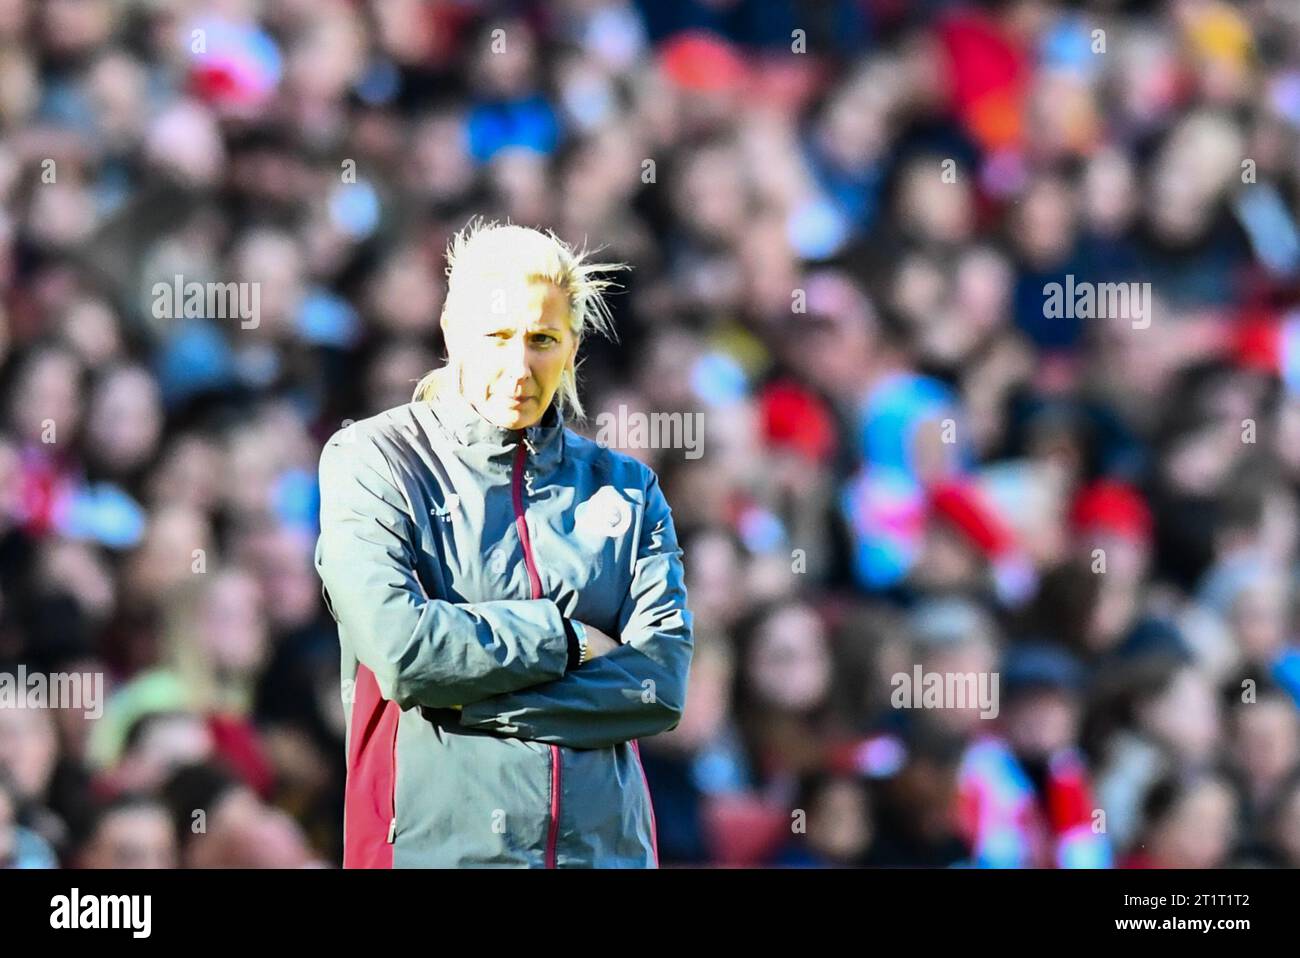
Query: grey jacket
450,554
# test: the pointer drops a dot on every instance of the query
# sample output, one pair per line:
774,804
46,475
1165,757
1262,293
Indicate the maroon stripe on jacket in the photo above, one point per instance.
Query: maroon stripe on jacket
369,802
552,832
521,526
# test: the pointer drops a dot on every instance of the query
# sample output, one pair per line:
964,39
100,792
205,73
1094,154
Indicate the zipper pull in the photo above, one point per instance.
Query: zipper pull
526,448
392,831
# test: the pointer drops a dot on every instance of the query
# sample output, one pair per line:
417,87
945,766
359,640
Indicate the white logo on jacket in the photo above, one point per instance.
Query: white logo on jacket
605,514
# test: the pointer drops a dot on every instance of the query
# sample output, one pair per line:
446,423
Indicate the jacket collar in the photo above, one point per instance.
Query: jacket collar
463,423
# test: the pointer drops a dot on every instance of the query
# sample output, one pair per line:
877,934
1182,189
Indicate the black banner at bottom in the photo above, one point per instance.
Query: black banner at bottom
889,908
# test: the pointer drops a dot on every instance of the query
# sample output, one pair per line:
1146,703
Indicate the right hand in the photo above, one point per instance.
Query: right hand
598,643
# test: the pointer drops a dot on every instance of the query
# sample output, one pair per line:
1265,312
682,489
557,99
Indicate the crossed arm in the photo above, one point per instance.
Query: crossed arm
506,663
422,651
639,688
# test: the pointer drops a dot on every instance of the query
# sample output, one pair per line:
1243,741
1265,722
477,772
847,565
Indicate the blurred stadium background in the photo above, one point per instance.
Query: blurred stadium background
845,219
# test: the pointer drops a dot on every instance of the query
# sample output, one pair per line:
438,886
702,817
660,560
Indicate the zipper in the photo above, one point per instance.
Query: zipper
535,587
534,580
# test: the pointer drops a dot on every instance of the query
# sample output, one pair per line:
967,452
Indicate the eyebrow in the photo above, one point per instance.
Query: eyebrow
548,328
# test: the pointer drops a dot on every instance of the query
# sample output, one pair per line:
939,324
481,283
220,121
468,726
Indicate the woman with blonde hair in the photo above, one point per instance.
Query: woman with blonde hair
509,594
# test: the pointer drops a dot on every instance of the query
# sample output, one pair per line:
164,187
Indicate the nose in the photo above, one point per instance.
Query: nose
516,368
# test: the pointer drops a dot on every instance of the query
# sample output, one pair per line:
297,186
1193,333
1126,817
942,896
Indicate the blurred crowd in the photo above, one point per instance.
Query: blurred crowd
843,219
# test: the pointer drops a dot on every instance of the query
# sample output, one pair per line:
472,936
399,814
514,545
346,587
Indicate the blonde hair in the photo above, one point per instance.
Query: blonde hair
486,249
186,657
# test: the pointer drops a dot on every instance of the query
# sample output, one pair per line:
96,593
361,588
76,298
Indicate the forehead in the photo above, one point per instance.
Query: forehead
510,300
136,821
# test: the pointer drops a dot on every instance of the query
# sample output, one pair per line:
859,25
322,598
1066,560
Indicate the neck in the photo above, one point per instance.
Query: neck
462,420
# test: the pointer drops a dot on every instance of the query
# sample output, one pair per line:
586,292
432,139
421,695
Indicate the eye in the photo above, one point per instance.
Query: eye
544,339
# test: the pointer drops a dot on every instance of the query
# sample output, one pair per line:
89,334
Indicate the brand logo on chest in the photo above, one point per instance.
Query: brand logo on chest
606,514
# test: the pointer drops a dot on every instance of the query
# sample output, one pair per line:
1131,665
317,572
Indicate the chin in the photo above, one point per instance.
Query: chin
517,419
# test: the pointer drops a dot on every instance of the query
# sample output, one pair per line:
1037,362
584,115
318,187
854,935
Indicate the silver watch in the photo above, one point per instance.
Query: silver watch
580,631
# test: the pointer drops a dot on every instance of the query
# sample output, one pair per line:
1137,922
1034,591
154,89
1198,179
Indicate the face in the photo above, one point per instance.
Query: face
245,833
29,748
167,744
975,656
133,838
841,827
125,419
712,578
1259,616
1199,831
514,354
1185,716
1041,723
231,627
47,389
790,667
1266,742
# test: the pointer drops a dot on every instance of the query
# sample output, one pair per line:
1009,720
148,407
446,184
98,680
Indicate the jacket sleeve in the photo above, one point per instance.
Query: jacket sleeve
636,690
422,651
